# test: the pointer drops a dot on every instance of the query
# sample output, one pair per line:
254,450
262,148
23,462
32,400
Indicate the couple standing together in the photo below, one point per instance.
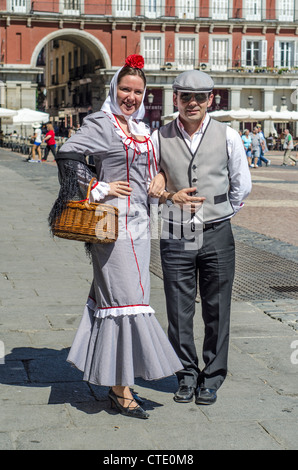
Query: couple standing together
190,162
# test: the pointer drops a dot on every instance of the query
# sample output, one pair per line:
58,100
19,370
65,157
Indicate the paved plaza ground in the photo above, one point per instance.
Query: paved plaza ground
44,283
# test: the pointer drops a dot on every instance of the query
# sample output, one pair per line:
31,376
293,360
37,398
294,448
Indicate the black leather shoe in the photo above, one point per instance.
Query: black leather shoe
184,394
205,396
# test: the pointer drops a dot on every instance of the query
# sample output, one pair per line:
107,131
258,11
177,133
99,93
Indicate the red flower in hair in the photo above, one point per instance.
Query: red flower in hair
135,61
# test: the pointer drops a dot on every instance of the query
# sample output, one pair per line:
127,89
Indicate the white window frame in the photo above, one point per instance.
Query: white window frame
227,62
219,9
285,10
277,52
123,8
153,8
262,51
186,9
253,10
18,6
154,65
72,7
183,62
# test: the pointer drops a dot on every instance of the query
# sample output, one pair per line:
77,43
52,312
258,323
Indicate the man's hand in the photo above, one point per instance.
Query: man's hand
185,200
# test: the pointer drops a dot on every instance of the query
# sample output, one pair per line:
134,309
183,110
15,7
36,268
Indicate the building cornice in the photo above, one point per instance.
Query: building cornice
143,22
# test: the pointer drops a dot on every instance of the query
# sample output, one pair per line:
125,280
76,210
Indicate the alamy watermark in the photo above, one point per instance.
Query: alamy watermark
137,221
294,355
2,353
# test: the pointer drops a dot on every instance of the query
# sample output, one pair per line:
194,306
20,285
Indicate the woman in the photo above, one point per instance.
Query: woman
37,143
119,337
246,138
50,141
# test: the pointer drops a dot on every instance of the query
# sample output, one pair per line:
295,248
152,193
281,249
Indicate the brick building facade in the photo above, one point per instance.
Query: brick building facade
250,48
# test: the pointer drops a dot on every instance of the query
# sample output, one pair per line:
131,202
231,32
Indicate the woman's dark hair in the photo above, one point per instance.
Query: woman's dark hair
131,71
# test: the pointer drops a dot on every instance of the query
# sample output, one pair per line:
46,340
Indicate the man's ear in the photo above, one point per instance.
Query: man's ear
210,99
175,99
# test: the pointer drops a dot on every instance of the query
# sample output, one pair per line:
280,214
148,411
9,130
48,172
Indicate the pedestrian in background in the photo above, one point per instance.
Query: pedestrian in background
288,147
36,143
263,148
50,141
246,139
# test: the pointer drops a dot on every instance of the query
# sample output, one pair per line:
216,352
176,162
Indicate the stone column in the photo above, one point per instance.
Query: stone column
235,100
167,102
268,102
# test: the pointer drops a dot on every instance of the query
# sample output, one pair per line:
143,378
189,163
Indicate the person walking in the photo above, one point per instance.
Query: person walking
246,139
263,148
119,337
256,144
50,141
207,175
36,143
288,147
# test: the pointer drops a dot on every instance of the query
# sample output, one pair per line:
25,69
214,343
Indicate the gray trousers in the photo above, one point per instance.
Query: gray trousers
213,266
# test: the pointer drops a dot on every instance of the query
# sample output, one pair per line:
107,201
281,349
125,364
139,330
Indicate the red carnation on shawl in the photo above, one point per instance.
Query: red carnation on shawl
135,61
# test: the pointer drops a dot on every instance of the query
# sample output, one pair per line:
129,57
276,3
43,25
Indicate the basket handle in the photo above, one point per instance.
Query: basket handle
89,189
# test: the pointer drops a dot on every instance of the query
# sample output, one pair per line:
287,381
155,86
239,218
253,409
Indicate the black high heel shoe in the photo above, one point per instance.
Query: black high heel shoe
136,412
136,397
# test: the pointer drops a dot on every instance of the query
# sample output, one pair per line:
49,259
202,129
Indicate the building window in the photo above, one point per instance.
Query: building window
254,53
19,6
253,10
123,8
153,8
152,52
220,54
186,53
220,9
285,10
285,54
185,9
71,7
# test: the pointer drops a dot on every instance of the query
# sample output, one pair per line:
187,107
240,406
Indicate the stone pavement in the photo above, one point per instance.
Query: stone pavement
43,286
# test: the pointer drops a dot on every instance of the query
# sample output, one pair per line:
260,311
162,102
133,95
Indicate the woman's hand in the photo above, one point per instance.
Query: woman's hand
157,185
120,189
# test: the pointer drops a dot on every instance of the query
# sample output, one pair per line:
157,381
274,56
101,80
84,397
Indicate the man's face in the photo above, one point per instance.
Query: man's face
192,107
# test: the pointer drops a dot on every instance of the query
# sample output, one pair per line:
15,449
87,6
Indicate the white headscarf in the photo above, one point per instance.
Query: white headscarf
111,106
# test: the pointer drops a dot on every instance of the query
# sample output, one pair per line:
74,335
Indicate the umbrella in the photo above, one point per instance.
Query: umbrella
242,114
282,116
29,116
4,112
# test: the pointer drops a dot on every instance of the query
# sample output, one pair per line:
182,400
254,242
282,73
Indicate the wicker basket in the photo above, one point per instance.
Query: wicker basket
87,221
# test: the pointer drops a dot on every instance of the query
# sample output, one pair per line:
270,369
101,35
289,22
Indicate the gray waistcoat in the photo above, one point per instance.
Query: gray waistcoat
206,169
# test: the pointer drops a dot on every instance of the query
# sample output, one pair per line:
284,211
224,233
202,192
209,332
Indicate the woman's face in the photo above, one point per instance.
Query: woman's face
130,91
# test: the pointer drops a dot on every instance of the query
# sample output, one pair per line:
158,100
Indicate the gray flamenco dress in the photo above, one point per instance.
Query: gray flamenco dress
119,337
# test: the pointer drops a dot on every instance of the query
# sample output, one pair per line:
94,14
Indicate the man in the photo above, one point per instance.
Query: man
256,143
203,161
288,147
263,148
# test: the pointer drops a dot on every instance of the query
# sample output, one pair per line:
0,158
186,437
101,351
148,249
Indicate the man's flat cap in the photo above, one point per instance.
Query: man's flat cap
193,81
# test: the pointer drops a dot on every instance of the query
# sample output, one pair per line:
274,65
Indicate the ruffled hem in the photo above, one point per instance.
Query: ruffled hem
114,351
118,311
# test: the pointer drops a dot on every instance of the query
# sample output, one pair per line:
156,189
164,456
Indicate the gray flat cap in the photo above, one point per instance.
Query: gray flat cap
193,80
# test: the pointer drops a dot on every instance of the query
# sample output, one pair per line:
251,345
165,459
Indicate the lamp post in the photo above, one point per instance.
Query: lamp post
217,99
283,100
150,99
